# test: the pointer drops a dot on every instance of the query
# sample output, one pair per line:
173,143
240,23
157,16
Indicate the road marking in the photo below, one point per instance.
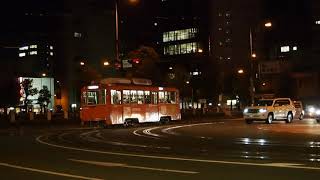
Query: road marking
48,172
87,137
169,130
38,139
108,164
135,132
149,133
102,140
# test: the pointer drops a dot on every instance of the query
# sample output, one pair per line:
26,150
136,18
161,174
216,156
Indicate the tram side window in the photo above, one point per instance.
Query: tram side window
115,97
167,97
154,98
126,96
140,96
147,97
84,98
133,97
172,97
162,97
92,97
103,96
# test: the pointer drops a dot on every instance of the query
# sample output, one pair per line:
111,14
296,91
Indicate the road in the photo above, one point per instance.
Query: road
213,149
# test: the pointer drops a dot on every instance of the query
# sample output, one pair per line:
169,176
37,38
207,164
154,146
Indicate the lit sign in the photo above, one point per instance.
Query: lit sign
93,87
160,88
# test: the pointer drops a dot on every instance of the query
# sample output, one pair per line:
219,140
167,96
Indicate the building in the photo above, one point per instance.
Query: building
36,59
230,25
53,38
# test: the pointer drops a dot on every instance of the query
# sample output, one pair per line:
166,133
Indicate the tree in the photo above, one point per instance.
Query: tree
146,67
44,98
27,90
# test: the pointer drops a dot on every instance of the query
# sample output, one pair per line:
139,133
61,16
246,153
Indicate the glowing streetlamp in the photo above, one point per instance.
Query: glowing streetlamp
82,63
268,24
240,71
106,63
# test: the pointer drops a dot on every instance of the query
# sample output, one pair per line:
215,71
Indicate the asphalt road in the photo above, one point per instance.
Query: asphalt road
214,149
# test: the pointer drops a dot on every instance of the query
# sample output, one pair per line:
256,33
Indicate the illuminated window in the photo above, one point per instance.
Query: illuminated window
23,48
295,48
147,97
77,35
126,96
185,48
318,22
133,97
51,47
195,73
162,98
166,97
115,97
140,97
51,53
285,49
92,97
33,46
154,98
180,35
33,52
22,54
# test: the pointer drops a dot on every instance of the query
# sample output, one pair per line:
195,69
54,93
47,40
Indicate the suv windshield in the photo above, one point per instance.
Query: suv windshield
264,103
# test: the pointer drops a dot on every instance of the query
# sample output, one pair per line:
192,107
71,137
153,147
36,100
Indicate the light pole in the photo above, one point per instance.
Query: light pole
117,43
253,56
117,31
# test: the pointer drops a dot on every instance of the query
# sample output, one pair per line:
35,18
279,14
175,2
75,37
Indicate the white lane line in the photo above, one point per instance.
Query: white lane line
103,140
135,132
176,158
169,130
87,137
149,133
108,164
48,172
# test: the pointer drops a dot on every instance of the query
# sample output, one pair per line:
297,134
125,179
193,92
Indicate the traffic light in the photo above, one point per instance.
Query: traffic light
136,61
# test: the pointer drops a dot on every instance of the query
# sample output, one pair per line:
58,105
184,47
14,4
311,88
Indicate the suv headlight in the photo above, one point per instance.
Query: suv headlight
245,110
262,110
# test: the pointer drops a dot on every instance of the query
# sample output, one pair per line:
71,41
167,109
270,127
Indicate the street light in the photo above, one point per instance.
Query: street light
82,63
268,24
240,71
106,63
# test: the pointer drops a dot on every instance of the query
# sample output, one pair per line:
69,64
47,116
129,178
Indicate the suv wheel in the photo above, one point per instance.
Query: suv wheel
289,118
301,117
269,119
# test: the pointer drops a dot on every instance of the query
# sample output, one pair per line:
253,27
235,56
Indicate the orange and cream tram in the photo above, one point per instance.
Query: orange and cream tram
125,101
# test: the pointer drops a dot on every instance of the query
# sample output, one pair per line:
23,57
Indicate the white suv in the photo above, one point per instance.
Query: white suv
270,109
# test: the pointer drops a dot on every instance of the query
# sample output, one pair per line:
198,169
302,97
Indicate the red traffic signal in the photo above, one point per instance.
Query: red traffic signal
136,61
